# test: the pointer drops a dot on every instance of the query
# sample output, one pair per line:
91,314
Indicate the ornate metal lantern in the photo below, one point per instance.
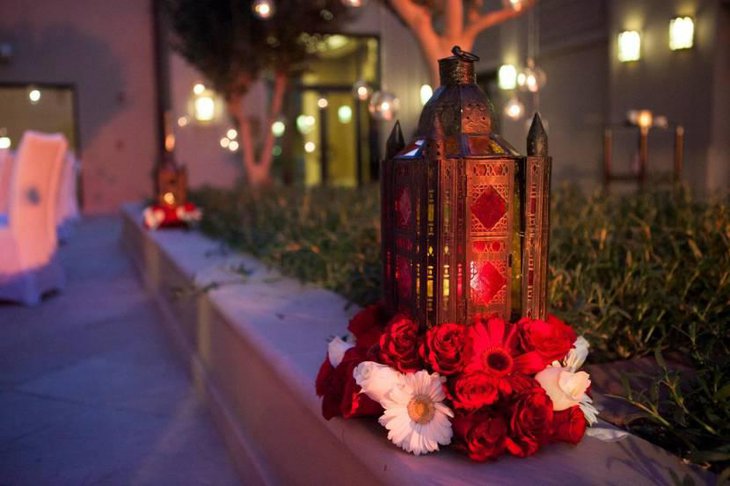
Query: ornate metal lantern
465,217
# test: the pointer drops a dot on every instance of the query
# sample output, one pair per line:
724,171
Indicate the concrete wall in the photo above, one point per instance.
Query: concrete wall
572,51
677,84
106,50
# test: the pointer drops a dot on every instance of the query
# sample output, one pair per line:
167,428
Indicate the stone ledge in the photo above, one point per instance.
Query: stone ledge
254,345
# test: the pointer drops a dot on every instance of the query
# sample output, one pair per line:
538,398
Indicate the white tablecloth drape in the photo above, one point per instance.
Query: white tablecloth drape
6,158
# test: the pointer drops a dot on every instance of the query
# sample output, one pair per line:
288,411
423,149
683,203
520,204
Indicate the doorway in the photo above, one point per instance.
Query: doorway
334,141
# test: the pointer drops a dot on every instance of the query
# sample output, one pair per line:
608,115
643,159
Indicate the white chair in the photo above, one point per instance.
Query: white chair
68,206
28,259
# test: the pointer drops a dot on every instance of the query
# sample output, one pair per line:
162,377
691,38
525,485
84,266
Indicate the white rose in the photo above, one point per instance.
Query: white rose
376,380
565,388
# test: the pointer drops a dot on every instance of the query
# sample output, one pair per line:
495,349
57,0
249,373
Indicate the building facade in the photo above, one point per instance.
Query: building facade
104,53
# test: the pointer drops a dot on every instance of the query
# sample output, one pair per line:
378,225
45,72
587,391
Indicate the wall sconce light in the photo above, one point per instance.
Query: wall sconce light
204,106
507,77
629,46
5,142
681,33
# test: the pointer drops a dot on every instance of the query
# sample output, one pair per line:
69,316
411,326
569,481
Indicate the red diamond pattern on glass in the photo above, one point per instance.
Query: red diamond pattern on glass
486,282
403,207
489,207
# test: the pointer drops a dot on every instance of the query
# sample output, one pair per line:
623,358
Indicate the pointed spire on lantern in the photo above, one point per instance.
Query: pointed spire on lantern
537,141
395,142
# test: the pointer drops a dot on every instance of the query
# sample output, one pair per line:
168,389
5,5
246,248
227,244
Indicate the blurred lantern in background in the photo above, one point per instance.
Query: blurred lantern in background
263,9
383,105
531,78
354,3
361,90
507,77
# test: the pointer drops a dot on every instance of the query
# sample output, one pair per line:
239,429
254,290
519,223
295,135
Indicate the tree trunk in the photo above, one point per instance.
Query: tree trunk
457,31
258,171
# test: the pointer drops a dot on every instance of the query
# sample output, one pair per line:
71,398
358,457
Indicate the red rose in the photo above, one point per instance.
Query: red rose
340,394
569,425
399,345
531,422
552,339
474,390
443,348
367,325
482,436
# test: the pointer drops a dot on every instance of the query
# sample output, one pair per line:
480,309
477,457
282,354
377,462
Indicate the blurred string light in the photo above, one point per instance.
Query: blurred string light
34,95
183,121
263,9
310,147
278,127
426,93
344,114
514,109
361,90
514,4
229,141
276,151
305,124
383,105
5,142
322,103
354,3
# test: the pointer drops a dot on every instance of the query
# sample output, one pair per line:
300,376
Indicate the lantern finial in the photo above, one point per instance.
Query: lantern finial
537,141
457,69
395,142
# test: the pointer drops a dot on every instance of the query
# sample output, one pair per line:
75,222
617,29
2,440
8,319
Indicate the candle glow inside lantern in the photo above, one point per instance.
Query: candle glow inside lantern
465,217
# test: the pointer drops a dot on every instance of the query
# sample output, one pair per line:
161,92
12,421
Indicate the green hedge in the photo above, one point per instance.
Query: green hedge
638,275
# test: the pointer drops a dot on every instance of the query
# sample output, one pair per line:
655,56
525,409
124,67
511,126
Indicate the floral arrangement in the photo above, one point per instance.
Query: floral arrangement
488,388
170,216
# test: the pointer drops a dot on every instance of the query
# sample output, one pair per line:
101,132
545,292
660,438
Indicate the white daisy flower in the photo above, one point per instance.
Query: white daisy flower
415,415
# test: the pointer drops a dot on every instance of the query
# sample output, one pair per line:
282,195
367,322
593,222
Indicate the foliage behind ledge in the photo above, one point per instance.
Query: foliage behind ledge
638,275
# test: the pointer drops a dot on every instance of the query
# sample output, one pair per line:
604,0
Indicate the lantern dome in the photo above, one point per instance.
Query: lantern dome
461,112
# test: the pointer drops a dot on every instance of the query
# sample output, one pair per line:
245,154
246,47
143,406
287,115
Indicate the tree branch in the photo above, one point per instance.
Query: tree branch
453,19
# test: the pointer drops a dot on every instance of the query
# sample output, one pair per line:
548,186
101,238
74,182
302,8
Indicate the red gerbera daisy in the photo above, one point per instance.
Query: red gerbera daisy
495,350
